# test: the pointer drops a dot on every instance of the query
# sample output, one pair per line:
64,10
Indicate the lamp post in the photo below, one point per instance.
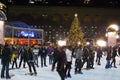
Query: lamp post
3,18
111,34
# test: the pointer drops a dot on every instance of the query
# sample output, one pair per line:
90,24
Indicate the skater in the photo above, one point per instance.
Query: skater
69,61
99,55
14,58
78,61
30,61
50,54
108,58
114,54
43,54
119,54
22,55
86,57
36,52
61,61
91,58
6,58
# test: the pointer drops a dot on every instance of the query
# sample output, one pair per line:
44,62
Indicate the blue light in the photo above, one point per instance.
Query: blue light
27,33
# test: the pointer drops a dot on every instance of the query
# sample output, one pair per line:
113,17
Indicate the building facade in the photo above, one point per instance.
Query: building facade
56,20
23,34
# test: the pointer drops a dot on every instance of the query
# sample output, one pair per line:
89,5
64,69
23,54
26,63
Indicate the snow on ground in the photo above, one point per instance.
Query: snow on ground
45,73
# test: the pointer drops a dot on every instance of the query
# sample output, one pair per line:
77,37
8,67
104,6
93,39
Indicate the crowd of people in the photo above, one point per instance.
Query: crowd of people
62,56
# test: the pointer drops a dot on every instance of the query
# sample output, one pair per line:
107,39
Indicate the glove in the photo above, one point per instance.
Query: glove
52,68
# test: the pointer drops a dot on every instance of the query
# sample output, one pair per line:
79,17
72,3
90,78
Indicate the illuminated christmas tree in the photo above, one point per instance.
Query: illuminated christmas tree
75,36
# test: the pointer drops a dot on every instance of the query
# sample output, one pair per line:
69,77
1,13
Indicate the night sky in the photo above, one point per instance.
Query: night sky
81,3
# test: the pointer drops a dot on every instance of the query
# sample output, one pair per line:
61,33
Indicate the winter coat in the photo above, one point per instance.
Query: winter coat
29,55
68,55
55,53
114,53
79,53
108,56
22,52
6,54
43,52
36,51
60,60
99,53
14,56
85,52
50,51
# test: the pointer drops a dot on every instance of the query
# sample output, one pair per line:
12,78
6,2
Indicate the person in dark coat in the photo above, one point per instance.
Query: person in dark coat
30,61
61,61
22,56
6,58
43,54
55,52
99,55
91,57
119,54
114,54
86,57
108,58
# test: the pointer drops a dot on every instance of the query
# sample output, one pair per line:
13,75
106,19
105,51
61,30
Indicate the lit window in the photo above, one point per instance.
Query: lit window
60,2
86,1
92,26
31,2
60,26
56,34
10,1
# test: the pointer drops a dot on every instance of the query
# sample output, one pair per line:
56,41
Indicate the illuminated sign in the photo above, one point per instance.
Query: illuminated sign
27,34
